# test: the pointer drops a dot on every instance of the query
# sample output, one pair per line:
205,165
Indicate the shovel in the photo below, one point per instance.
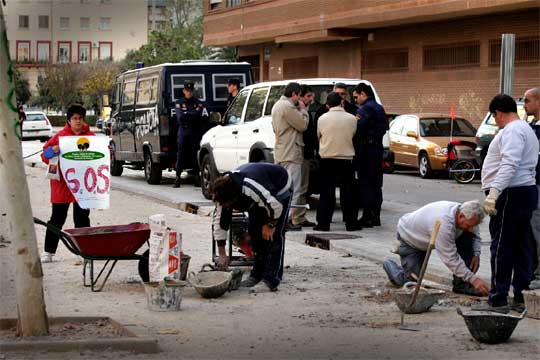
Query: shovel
431,245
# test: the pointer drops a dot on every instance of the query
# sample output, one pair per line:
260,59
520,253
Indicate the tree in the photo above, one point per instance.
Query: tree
98,80
184,12
61,85
22,87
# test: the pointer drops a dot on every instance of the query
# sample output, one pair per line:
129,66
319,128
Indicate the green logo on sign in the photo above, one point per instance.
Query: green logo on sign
83,155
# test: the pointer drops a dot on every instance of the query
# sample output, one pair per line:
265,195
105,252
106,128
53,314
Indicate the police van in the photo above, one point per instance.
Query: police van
143,111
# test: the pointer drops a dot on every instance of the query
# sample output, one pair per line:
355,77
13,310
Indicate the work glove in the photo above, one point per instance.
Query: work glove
491,201
49,153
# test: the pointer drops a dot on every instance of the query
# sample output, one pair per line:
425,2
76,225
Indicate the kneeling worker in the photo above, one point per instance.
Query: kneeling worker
457,244
264,191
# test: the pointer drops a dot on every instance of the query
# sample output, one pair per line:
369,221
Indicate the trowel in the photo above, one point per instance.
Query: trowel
431,245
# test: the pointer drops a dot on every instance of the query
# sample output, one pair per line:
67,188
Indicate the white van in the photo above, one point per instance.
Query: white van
245,133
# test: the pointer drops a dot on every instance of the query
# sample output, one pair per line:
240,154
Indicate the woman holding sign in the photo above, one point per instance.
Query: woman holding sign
61,195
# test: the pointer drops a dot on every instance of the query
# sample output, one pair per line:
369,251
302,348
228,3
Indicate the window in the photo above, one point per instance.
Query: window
105,23
233,3
220,84
441,127
129,94
527,51
215,4
451,56
85,23
397,125
35,117
44,51
23,21
178,82
273,97
409,124
105,51
64,52
147,91
23,51
43,21
383,60
64,23
234,113
255,104
85,55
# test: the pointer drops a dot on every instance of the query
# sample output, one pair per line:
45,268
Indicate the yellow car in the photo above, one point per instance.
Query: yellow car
420,140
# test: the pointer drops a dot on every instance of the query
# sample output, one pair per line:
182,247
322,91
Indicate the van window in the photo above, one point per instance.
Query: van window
234,113
219,84
146,91
178,81
116,94
128,94
255,104
273,97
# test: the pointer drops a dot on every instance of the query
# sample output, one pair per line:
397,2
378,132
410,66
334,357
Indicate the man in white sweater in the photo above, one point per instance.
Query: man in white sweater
335,131
457,243
508,179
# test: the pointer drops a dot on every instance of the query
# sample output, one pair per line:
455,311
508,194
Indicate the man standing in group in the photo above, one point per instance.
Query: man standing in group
372,125
457,243
341,90
335,131
192,121
233,87
508,179
532,108
289,120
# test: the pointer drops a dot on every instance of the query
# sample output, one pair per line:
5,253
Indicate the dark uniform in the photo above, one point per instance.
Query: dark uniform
367,162
266,193
192,122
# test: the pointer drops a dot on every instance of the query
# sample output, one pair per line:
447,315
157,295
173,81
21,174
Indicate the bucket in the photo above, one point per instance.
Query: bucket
532,303
164,295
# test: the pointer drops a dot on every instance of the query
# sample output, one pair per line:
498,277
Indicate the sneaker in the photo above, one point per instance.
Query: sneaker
503,309
321,228
46,257
517,306
270,287
250,282
262,287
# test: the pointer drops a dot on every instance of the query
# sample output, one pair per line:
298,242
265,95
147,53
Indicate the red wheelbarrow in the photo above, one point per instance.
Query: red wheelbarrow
104,243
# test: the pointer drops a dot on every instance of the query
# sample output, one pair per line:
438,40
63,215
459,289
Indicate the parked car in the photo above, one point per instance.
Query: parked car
488,129
420,140
143,110
99,124
107,126
36,126
245,133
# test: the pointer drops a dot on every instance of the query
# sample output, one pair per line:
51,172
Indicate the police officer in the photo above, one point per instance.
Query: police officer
192,121
367,163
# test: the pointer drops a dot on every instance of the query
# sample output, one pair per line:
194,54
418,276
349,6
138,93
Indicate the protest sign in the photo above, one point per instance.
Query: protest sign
84,161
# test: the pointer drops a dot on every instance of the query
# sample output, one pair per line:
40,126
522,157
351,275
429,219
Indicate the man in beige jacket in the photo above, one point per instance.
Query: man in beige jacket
335,131
289,120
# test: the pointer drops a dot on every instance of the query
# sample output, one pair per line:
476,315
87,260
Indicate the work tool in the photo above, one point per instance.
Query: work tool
430,247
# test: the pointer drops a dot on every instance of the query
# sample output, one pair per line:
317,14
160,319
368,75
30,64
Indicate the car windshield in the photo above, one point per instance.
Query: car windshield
441,127
35,117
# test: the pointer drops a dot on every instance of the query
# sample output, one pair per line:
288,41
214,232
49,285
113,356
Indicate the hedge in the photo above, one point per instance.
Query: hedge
58,120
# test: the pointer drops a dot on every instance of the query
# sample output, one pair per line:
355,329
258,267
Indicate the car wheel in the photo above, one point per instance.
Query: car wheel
117,166
463,171
152,171
208,174
424,166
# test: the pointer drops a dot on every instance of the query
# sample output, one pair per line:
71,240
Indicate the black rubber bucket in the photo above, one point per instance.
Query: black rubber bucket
490,327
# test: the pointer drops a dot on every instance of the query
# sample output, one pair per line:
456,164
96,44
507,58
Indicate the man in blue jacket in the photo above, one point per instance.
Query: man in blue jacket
264,191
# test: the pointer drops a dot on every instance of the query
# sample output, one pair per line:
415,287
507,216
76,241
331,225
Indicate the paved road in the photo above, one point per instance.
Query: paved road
404,191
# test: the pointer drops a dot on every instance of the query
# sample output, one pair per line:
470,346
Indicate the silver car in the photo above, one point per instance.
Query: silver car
36,126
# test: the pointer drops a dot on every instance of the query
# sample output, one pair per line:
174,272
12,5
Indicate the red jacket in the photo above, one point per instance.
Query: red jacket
60,193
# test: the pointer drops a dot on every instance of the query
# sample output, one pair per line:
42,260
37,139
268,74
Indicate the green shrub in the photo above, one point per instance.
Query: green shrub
59,120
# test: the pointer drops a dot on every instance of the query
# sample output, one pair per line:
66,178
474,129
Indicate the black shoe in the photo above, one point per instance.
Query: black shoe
353,227
250,282
466,289
176,185
307,223
376,221
517,306
321,228
366,222
291,227
270,287
503,309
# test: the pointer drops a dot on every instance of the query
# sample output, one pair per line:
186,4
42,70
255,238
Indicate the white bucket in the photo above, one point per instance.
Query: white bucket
164,295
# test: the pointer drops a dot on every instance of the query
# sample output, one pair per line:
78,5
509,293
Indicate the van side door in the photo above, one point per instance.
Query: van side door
126,129
252,129
146,120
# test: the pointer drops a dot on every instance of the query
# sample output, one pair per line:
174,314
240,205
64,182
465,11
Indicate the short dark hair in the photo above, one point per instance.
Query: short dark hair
366,89
75,109
306,89
340,85
333,99
292,88
234,81
503,103
224,189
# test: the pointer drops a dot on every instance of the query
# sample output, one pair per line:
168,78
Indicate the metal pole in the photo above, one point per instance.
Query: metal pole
508,46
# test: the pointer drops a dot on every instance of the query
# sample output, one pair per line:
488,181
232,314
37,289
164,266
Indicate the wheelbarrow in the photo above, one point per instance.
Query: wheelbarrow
110,243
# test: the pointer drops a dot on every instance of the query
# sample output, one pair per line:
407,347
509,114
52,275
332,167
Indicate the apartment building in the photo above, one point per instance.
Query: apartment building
421,55
43,32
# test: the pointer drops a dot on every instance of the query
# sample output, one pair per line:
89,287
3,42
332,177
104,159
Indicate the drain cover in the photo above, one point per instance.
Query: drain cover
322,241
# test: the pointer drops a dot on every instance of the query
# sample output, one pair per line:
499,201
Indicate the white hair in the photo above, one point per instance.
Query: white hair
471,209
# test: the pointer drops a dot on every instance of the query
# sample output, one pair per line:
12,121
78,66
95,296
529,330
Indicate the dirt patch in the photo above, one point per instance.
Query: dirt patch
380,296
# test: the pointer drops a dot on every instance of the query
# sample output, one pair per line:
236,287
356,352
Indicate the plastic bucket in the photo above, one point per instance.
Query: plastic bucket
165,295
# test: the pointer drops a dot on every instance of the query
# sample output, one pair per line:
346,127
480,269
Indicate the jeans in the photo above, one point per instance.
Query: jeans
295,172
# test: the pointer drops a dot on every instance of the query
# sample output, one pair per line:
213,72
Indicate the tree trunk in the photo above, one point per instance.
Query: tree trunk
20,226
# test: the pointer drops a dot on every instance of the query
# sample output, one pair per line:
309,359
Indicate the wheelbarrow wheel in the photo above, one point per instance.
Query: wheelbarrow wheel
143,267
463,171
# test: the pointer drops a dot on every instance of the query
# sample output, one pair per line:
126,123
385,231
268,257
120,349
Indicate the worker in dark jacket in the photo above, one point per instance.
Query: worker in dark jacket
192,121
372,126
342,90
264,191
233,87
